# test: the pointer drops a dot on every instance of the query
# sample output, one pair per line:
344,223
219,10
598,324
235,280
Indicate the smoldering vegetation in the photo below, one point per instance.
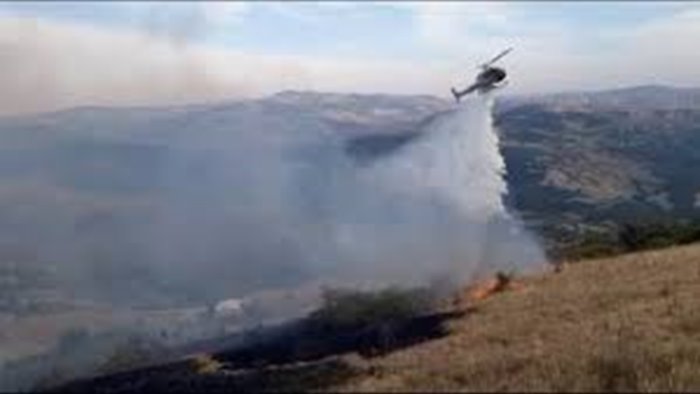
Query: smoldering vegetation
182,207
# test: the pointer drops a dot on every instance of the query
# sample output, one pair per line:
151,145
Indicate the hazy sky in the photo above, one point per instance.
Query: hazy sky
58,54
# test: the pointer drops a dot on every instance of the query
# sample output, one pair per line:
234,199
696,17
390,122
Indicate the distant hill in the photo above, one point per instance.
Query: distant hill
610,156
640,98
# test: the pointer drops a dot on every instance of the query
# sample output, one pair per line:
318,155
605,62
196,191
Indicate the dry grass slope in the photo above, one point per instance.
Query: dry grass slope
629,323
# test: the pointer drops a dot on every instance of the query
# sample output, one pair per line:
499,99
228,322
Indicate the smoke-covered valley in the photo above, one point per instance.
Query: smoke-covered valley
140,217
203,203
183,207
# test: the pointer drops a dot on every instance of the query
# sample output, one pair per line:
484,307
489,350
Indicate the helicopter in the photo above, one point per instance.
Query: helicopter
488,79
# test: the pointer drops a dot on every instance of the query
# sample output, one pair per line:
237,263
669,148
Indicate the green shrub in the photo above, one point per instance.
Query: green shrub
350,308
629,237
657,234
592,245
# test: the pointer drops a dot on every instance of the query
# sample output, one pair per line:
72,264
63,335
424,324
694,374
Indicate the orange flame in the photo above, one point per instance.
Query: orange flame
486,288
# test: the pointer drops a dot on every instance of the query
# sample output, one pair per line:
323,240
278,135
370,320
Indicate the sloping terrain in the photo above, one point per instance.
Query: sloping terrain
626,323
630,323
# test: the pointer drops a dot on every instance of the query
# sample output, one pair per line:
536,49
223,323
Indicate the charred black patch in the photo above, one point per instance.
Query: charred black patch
309,341
181,378
300,356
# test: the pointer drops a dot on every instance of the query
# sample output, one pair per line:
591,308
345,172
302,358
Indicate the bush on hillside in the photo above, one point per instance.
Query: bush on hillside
344,308
630,237
649,235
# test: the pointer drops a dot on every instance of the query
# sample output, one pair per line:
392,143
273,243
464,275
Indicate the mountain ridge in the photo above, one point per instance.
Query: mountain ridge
292,96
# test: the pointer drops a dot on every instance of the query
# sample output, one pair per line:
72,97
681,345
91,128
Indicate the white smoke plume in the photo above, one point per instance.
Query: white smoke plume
436,207
280,210
458,160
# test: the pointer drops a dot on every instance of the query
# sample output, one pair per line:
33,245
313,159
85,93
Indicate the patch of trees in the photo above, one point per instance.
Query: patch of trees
629,237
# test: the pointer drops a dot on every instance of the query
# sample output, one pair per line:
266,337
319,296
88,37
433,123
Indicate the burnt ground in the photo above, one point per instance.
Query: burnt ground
301,356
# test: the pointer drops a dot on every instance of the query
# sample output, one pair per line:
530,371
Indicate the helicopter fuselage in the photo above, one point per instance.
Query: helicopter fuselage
490,76
488,79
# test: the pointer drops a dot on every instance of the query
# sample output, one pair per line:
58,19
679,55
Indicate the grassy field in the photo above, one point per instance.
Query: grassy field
629,323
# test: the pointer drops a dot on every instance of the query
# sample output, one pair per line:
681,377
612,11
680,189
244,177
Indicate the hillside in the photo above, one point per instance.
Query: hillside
628,323
622,324
604,159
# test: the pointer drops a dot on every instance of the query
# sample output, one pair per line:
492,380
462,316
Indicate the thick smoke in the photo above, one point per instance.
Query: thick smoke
264,208
276,204
439,202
